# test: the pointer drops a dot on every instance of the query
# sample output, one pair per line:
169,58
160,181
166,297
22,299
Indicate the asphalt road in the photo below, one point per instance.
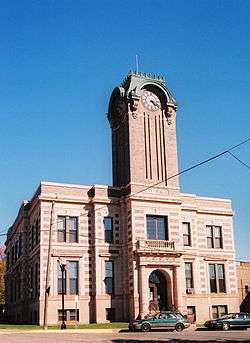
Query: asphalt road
187,336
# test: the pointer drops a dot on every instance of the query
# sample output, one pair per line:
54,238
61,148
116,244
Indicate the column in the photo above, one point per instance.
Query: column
178,297
143,291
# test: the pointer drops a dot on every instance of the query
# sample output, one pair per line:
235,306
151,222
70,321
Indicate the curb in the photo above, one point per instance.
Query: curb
76,331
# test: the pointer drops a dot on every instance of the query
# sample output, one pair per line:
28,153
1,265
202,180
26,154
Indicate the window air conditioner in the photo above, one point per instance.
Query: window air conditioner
190,291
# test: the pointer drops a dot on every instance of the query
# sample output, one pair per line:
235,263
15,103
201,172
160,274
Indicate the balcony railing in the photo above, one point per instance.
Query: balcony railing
152,245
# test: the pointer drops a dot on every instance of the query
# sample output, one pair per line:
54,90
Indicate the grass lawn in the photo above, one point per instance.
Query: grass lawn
70,326
19,327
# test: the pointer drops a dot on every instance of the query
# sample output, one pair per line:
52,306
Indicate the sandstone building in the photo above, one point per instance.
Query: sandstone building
132,247
243,276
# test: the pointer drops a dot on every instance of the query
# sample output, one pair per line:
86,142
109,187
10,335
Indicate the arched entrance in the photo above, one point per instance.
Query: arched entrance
158,299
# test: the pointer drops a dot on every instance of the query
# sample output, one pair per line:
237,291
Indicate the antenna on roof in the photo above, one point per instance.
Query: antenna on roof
136,64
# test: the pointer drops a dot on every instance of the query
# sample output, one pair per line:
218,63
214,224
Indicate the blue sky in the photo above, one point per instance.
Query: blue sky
60,61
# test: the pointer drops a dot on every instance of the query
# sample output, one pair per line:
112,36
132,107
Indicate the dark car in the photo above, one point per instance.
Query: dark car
162,320
229,321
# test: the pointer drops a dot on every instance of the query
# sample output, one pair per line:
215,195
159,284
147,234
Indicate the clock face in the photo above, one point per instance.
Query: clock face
150,101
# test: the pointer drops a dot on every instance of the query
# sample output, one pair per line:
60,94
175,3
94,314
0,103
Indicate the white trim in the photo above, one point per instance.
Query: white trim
205,197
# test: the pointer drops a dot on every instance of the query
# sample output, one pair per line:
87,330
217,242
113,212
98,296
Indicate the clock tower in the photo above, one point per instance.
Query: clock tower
142,118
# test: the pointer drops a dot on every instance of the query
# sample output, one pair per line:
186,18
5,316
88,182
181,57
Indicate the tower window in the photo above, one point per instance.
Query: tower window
157,228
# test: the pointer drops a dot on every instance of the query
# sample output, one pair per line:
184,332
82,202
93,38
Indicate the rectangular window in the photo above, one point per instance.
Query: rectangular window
59,280
186,234
221,278
70,278
217,278
219,311
212,276
214,237
217,237
109,277
67,229
72,227
189,275
210,243
73,277
61,229
69,315
157,227
60,315
110,314
108,229
73,315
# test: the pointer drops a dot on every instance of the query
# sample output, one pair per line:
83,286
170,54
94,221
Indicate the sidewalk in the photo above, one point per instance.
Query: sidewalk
75,331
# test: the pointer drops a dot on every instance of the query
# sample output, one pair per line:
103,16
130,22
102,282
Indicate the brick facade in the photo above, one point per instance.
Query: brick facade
144,201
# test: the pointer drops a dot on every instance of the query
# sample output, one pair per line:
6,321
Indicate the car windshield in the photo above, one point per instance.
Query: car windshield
179,315
149,316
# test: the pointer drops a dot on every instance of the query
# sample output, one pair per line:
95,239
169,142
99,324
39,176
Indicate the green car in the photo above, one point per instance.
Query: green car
162,320
229,321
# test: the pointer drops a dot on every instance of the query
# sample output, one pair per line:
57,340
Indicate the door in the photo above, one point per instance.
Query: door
158,290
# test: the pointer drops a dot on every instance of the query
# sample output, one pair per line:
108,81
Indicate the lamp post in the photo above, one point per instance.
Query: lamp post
63,268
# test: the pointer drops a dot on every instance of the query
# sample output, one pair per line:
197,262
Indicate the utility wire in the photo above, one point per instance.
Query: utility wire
192,167
228,151
243,163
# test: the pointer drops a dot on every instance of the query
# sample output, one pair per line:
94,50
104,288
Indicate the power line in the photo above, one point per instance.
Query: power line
190,168
239,160
173,176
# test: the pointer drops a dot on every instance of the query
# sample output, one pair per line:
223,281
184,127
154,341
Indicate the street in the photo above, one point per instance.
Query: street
187,336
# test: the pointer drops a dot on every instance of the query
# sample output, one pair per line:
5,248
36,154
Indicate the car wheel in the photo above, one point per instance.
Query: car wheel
145,327
226,326
179,327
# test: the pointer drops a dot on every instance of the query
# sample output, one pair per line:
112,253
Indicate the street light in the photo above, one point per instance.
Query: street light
63,263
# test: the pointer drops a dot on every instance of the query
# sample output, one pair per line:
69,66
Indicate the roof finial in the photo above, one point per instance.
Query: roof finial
136,64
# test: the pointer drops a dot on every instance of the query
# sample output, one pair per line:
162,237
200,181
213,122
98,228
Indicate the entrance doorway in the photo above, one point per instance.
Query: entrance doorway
158,300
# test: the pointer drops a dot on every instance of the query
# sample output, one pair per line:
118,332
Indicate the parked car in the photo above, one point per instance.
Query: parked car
162,320
228,321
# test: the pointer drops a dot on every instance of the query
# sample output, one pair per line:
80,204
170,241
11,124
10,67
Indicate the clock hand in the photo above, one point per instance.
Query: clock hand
154,103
